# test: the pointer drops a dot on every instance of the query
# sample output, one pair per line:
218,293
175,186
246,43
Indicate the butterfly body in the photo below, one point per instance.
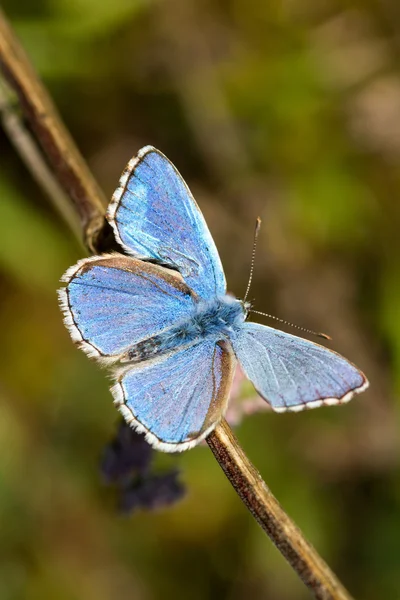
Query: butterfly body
161,319
213,319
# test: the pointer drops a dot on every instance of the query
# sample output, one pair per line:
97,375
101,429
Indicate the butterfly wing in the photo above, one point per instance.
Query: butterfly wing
293,374
178,398
154,216
112,302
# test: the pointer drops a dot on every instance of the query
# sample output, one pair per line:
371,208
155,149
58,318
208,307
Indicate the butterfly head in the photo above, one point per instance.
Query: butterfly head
246,307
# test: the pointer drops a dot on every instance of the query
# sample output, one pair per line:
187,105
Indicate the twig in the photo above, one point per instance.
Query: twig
33,158
52,136
265,508
79,185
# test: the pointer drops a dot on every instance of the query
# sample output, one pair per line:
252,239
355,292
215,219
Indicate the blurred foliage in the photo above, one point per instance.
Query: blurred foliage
290,111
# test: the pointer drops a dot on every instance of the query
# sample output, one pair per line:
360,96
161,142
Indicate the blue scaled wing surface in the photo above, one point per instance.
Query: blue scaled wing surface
178,398
112,302
293,374
155,217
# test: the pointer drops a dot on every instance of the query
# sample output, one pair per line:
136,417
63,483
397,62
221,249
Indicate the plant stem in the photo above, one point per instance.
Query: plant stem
50,138
267,511
29,151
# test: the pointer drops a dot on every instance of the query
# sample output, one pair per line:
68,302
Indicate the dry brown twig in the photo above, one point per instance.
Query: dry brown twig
48,145
51,136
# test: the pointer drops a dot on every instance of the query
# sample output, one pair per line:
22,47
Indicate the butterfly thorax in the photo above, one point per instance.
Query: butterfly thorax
216,319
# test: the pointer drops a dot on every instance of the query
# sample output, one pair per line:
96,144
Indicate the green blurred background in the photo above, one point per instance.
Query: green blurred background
288,110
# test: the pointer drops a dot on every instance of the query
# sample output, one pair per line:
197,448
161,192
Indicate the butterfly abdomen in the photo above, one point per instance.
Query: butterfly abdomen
210,319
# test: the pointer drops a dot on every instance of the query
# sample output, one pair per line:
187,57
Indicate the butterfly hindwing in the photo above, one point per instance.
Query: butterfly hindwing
178,398
292,373
112,302
154,216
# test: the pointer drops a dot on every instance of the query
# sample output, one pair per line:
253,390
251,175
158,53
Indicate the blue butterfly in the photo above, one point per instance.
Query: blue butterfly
162,320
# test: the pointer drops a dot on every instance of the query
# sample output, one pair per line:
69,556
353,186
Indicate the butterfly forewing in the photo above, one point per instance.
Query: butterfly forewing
155,216
292,373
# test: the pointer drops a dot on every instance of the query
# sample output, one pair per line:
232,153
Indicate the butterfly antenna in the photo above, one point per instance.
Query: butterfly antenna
253,256
317,333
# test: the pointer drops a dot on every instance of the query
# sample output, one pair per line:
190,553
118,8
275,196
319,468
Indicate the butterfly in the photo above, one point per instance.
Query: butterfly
161,319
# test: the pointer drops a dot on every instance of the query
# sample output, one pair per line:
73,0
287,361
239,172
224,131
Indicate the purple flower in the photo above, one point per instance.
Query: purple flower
128,465
128,452
152,492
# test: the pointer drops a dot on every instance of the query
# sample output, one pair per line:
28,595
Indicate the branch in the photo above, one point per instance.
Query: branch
267,511
51,139
26,146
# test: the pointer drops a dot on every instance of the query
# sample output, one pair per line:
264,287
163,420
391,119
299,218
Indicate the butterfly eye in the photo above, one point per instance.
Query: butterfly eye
246,308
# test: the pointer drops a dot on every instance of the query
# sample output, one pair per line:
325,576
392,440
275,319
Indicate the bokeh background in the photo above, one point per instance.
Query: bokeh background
288,110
